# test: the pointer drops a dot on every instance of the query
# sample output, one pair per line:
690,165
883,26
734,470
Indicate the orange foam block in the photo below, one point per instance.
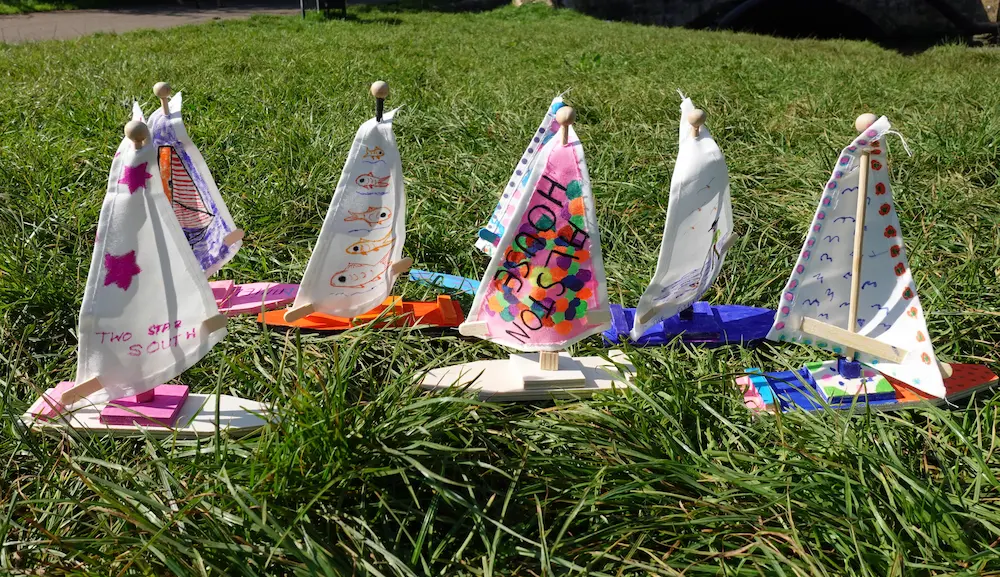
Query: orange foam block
445,313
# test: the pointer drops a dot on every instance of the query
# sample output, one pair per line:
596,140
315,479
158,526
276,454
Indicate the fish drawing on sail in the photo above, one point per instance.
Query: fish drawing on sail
351,270
698,228
852,292
210,230
489,235
544,288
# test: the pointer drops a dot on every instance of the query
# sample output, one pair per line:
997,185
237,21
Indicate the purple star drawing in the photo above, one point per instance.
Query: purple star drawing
135,177
121,269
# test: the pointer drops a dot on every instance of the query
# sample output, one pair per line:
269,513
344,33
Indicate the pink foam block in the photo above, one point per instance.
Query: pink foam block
751,397
161,411
254,297
221,289
48,405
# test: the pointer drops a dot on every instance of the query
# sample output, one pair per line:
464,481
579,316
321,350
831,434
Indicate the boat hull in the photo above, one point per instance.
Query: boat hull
442,313
193,417
518,378
246,299
709,325
798,390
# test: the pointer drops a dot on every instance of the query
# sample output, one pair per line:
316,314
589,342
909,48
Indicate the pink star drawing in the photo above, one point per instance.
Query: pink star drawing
135,177
121,269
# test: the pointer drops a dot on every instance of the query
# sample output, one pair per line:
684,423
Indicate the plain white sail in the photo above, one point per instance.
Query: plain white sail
697,229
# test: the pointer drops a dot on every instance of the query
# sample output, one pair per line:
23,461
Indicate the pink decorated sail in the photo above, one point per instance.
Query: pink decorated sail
545,288
489,235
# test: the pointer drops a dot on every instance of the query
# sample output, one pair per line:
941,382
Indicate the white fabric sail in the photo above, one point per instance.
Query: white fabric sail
820,284
350,271
696,232
146,298
545,288
191,190
489,235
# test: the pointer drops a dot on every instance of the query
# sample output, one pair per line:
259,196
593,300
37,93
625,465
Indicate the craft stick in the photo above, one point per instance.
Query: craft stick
81,390
853,340
859,232
473,329
696,118
733,237
146,397
137,132
946,370
215,323
565,117
162,91
292,315
233,237
548,361
402,265
380,90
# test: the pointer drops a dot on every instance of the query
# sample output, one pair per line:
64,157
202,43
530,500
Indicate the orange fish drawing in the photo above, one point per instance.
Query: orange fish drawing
371,181
373,153
357,275
365,246
373,216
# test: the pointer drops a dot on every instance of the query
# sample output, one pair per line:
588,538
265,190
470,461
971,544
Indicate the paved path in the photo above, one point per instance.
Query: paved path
75,23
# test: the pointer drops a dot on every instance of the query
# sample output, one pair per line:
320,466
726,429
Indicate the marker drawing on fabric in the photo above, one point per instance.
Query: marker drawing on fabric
894,344
544,288
148,314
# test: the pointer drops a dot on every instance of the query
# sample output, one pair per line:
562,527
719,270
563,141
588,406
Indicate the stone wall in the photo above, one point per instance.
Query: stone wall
894,18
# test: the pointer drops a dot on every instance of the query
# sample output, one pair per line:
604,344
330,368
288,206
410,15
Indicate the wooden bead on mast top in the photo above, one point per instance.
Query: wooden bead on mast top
162,91
565,116
137,132
380,90
696,118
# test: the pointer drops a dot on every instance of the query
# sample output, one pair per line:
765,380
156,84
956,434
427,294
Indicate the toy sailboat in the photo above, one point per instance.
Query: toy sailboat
852,293
544,289
147,316
203,215
359,252
696,236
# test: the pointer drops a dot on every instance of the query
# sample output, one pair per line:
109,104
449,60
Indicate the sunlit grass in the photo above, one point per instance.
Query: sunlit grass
367,475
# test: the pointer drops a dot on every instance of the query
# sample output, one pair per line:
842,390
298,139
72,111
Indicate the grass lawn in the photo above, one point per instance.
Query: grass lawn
365,474
26,6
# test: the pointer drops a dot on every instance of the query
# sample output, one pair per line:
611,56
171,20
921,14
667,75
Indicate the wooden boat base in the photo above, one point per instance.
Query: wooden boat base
519,378
444,312
195,419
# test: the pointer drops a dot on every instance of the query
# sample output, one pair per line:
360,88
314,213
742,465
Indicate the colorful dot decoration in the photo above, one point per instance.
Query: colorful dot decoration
555,293
879,188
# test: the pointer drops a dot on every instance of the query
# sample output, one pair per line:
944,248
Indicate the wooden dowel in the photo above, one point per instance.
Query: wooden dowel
859,239
548,361
696,118
162,91
380,90
566,116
